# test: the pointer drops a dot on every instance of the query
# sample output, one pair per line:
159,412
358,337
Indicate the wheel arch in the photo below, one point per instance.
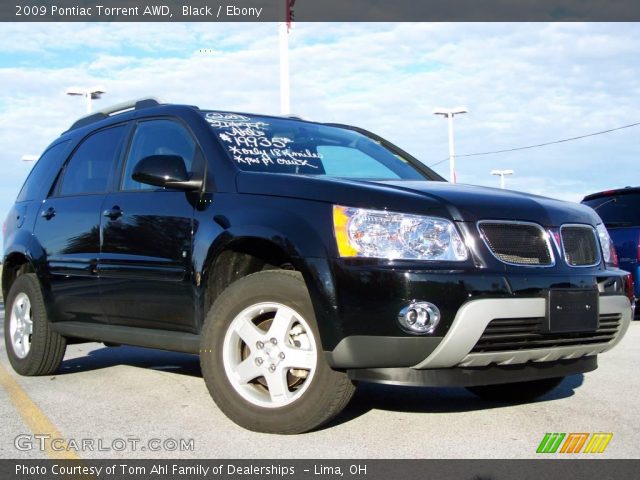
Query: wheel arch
239,256
15,264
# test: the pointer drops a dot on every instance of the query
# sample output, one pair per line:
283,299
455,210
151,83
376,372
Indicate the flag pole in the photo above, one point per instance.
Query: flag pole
285,101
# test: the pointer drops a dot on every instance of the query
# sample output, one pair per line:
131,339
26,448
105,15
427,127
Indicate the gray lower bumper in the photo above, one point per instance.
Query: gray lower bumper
473,318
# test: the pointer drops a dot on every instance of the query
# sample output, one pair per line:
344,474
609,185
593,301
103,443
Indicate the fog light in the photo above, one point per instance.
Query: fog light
419,317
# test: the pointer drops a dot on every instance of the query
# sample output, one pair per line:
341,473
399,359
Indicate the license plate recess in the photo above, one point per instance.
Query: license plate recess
572,311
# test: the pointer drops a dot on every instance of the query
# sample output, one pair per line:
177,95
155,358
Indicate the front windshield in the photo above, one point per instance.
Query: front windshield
281,145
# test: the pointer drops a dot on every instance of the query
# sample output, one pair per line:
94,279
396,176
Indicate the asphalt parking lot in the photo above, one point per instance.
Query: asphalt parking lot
158,402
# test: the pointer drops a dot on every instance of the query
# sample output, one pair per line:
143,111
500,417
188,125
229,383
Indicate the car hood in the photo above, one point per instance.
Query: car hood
459,202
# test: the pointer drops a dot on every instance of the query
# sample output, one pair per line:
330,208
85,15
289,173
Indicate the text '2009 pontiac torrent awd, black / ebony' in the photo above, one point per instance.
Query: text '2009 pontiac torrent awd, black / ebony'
297,259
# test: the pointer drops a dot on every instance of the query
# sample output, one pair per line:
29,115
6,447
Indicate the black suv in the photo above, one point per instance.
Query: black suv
298,258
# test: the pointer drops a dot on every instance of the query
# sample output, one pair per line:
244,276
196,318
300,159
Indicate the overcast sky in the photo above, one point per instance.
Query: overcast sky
522,83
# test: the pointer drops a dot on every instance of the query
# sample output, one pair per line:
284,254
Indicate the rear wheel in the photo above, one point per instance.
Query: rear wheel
262,360
516,392
32,346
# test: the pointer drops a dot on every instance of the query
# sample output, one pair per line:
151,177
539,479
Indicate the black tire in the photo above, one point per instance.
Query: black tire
519,392
328,392
47,347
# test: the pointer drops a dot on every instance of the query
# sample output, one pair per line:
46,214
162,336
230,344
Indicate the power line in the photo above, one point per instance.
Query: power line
438,163
540,144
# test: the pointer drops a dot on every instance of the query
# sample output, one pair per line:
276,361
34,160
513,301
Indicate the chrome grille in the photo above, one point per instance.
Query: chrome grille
507,334
580,245
517,243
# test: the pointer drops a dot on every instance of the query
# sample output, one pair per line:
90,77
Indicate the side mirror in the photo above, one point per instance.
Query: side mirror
165,171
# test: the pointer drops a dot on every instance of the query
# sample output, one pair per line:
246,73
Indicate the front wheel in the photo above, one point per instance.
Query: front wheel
518,392
262,360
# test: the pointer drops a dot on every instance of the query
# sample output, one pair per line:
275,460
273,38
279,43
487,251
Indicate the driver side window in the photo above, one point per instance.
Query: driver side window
157,137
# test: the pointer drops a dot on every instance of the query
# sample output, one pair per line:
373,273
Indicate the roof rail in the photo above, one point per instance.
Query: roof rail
137,104
294,116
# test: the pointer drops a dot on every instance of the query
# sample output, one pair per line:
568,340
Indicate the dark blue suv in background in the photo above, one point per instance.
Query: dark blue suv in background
620,211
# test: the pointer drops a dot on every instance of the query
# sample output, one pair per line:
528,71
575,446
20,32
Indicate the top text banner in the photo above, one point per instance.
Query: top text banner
320,10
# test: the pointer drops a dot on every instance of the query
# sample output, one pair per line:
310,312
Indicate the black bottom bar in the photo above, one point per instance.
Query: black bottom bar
408,469
467,377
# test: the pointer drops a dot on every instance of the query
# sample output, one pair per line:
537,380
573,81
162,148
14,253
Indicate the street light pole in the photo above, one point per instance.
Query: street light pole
89,94
452,153
449,114
502,174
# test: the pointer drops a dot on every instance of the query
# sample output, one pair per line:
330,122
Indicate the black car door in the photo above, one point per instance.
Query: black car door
68,226
145,262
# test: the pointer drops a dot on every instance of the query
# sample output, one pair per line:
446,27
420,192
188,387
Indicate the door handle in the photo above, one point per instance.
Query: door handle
113,213
48,214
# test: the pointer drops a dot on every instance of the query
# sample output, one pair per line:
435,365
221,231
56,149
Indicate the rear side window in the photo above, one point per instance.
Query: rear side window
90,167
43,173
618,210
157,137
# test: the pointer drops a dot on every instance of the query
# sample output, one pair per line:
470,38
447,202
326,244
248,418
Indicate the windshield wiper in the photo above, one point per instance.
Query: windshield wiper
614,200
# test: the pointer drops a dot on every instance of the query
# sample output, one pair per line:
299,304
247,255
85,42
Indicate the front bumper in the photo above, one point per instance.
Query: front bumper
362,298
457,349
363,337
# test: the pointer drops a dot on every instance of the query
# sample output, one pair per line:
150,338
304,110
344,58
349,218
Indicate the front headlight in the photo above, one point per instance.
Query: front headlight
608,249
380,234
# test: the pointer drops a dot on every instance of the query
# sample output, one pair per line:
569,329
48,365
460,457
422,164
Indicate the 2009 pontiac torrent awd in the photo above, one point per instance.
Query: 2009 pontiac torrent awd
297,259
